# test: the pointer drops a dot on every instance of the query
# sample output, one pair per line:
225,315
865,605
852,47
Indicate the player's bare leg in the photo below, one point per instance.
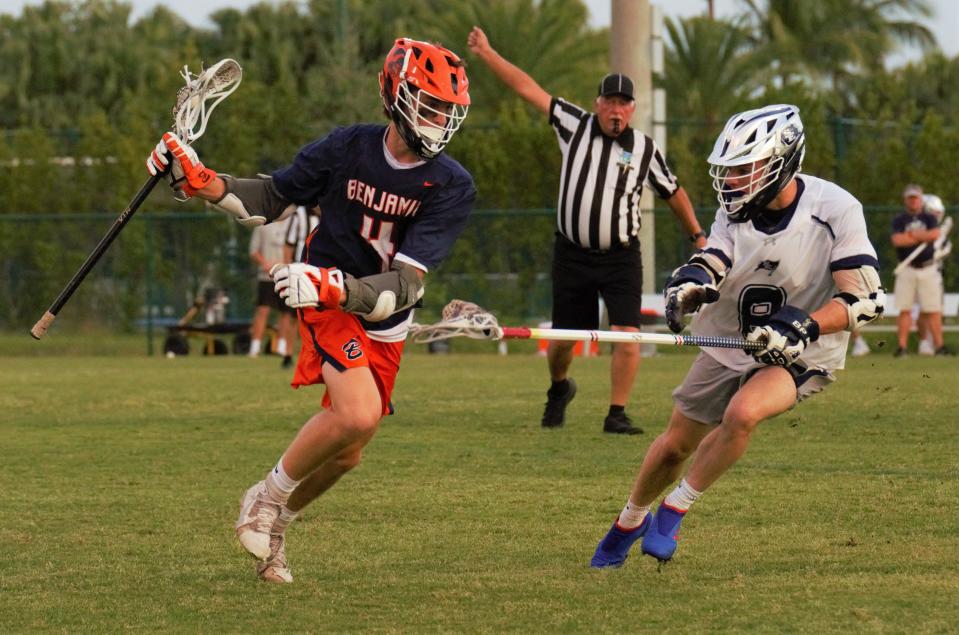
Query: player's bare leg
934,328
286,326
622,374
260,316
661,466
275,568
666,456
325,477
351,420
769,392
559,356
903,324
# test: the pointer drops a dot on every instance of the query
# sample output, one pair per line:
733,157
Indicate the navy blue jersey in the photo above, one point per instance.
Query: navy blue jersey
374,211
903,222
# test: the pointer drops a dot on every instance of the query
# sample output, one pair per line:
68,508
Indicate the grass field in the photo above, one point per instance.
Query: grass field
121,477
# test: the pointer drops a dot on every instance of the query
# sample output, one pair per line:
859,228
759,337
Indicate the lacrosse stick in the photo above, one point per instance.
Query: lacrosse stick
943,245
466,319
214,84
944,230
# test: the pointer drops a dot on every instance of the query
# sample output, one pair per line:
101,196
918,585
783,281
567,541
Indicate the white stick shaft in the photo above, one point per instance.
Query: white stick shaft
574,335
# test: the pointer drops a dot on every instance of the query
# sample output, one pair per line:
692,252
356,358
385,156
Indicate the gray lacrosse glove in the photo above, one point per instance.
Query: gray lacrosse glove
686,291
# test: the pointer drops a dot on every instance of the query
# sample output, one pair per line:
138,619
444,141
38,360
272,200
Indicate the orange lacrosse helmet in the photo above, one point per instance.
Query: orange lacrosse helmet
426,93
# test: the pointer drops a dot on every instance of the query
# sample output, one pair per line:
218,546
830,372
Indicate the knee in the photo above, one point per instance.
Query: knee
675,450
740,419
360,420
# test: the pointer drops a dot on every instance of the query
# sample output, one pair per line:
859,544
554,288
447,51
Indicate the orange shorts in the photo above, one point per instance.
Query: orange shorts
337,338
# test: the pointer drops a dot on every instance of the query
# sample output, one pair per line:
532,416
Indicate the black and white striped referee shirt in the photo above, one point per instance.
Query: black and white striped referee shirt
602,178
302,223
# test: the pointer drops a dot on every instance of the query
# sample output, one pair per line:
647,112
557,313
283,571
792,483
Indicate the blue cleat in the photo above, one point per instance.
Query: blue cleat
613,549
660,541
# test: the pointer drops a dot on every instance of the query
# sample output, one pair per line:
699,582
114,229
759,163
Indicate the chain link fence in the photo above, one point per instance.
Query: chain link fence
163,262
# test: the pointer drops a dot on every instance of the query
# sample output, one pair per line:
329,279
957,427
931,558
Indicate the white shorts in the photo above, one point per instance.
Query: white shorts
919,285
709,387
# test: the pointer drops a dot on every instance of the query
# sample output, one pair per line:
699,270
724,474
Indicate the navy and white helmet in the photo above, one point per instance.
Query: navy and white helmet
932,204
755,157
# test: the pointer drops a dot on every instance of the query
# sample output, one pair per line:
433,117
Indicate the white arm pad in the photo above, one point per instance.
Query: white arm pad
232,205
243,195
377,297
860,290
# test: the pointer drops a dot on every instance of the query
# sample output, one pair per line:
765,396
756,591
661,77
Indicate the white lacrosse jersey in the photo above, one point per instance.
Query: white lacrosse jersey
823,231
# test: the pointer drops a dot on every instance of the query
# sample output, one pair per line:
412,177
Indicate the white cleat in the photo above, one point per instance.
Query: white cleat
275,569
257,515
926,348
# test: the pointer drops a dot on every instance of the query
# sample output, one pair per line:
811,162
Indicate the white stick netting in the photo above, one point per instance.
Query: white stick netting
202,93
459,318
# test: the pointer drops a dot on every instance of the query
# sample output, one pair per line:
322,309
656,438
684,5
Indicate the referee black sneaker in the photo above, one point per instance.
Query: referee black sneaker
620,423
555,413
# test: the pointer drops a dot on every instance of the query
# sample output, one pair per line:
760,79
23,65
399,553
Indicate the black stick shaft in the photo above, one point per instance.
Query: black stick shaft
40,328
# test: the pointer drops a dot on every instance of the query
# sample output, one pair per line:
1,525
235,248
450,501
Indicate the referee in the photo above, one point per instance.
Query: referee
605,165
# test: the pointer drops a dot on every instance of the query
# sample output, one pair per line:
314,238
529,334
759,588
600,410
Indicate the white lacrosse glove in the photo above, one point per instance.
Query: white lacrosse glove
786,335
305,286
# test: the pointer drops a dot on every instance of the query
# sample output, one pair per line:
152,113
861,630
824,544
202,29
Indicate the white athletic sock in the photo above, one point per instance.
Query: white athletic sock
632,515
254,347
682,497
279,484
283,521
281,347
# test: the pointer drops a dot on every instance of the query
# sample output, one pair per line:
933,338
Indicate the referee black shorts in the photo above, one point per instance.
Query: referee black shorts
581,276
267,296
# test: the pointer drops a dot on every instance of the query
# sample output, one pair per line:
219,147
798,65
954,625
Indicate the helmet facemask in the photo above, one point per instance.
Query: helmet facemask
743,189
426,122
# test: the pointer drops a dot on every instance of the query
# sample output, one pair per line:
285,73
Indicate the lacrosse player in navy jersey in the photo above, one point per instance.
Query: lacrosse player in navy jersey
787,263
393,205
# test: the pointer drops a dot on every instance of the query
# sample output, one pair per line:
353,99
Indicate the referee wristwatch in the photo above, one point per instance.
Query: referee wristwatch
694,237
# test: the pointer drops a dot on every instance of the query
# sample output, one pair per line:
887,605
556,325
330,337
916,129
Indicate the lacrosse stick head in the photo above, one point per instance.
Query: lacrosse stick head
202,93
460,318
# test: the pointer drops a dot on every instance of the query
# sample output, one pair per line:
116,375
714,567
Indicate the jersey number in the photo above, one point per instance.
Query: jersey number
756,303
378,233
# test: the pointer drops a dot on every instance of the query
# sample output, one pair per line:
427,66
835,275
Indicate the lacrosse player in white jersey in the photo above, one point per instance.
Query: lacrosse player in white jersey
787,263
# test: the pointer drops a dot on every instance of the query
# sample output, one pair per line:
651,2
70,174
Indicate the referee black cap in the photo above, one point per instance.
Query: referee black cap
616,84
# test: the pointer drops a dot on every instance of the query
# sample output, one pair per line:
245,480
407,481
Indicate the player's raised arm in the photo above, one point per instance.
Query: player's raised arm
508,73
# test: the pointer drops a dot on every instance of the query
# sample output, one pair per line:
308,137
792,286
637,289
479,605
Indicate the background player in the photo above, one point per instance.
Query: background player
392,207
267,250
920,281
788,263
